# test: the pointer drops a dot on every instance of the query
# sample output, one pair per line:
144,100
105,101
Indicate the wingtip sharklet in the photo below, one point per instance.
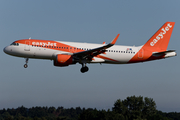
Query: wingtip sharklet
115,39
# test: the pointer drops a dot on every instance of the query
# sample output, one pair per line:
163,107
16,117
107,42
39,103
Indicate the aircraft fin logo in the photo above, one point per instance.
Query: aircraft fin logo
160,40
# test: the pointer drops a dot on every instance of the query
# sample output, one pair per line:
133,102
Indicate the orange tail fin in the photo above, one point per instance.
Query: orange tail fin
160,40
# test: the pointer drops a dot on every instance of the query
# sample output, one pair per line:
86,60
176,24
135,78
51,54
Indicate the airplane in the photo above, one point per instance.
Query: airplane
68,53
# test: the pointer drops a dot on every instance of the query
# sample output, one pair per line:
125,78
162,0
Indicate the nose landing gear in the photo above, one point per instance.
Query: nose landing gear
25,65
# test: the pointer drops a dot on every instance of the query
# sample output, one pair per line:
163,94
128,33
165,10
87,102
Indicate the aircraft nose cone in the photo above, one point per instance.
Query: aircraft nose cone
5,49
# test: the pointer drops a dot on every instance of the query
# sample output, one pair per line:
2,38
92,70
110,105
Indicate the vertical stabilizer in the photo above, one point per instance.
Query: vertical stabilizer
160,40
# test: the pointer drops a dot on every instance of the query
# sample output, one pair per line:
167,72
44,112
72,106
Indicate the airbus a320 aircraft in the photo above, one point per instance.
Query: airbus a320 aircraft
68,53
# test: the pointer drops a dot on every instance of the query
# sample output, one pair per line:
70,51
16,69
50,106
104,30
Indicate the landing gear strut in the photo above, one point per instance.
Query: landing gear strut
25,65
84,68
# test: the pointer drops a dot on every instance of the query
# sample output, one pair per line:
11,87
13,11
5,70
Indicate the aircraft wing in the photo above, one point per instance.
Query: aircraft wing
96,51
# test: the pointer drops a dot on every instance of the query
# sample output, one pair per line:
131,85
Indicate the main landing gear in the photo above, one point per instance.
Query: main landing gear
25,65
84,68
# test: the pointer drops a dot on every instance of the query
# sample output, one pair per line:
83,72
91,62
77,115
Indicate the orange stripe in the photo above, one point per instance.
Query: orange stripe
106,58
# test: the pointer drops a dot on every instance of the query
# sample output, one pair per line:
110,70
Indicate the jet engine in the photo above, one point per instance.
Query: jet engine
63,60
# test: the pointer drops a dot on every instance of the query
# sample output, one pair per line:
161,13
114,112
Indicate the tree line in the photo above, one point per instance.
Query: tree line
132,108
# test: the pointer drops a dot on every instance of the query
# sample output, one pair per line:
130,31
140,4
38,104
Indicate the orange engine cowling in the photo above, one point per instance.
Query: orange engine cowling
63,60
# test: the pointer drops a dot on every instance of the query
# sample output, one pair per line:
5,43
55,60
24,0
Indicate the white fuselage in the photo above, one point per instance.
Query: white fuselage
117,54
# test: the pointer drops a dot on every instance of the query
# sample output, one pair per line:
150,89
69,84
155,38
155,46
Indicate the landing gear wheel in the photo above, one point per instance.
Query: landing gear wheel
84,69
25,65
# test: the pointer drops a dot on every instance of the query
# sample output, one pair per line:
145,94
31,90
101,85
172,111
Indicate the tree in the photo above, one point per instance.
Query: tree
135,107
51,109
149,107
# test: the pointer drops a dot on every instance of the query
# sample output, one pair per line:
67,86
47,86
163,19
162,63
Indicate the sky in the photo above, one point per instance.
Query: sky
43,84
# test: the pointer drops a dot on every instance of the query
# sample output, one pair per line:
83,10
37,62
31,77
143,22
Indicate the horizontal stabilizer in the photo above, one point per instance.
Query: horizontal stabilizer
169,53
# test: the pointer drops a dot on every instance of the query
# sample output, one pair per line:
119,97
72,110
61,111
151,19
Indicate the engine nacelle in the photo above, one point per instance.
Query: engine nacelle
63,60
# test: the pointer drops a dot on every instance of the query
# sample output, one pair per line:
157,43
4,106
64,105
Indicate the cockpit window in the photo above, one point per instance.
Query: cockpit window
15,44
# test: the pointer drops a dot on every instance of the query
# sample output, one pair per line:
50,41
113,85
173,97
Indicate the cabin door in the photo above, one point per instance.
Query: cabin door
140,54
27,46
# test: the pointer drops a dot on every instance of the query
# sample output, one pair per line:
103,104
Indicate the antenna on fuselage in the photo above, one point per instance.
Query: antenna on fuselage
29,38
